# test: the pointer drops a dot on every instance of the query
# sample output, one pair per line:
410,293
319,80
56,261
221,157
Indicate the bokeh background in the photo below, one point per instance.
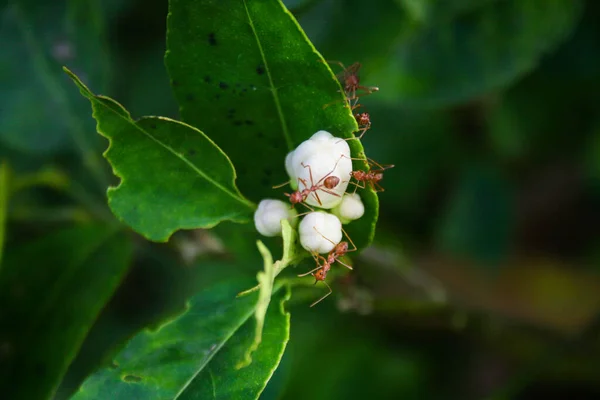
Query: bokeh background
484,278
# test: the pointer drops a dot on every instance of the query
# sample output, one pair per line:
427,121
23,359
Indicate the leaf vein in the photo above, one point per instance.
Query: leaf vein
185,160
284,127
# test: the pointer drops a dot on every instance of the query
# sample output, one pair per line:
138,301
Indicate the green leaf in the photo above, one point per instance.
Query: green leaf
4,194
244,72
220,381
477,52
172,175
197,352
266,280
51,291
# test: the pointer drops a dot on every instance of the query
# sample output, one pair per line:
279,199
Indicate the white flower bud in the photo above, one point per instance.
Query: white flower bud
324,155
269,214
320,232
350,208
290,170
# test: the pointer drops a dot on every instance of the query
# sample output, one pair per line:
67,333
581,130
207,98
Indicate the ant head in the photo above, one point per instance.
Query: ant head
363,118
331,182
320,275
296,198
378,176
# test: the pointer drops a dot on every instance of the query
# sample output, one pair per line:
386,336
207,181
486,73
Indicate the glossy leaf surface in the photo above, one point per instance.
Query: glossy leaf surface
245,73
196,352
172,176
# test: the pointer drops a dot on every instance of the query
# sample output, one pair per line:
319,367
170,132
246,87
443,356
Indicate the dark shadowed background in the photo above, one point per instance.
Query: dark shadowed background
484,277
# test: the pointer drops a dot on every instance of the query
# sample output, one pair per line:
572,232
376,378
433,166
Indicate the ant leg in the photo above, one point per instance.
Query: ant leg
329,192
382,167
323,236
322,298
316,195
364,130
306,212
368,89
358,184
350,240
281,185
310,272
377,187
343,263
333,62
316,258
324,176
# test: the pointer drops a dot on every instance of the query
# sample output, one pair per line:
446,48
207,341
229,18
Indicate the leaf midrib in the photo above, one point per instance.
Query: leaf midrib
176,154
214,352
284,128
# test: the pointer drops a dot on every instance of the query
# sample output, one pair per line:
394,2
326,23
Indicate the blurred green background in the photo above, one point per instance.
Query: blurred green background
484,278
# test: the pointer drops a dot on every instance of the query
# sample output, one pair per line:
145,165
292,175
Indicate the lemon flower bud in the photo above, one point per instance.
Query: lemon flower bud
269,214
350,208
320,232
321,156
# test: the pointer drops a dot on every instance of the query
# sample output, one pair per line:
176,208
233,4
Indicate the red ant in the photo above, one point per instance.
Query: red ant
363,120
351,82
320,273
372,177
326,184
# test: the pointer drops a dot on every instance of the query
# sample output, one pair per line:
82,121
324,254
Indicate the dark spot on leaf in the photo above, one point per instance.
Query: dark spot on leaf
191,152
39,369
223,85
207,79
234,91
260,70
229,116
231,111
268,172
260,135
244,90
217,96
175,82
238,85
248,122
275,144
153,126
265,182
189,97
211,39
132,379
237,123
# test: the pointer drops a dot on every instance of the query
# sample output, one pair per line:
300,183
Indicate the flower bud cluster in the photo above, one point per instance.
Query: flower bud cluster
320,170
